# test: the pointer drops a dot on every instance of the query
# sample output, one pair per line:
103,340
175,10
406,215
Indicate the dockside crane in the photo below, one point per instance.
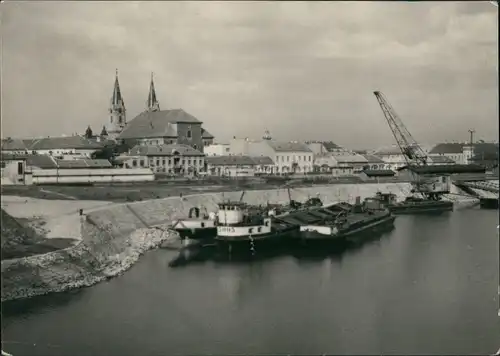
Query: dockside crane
429,186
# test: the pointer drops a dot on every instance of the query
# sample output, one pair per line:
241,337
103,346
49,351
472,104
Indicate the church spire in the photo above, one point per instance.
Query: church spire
152,103
117,99
117,111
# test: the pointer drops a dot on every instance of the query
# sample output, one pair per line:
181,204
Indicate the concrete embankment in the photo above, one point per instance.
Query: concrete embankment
114,236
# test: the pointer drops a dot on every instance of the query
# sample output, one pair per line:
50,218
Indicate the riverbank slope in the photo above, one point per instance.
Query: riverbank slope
113,236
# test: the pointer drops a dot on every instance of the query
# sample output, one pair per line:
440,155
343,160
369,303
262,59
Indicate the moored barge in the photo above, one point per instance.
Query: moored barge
414,205
349,224
247,228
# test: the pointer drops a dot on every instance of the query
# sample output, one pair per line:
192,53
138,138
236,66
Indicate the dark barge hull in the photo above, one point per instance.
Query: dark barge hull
197,234
315,239
425,207
488,203
243,245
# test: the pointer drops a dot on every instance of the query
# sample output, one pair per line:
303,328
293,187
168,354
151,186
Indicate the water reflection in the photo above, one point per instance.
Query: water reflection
40,304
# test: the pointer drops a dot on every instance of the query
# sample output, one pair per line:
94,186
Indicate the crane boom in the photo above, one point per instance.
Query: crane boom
413,153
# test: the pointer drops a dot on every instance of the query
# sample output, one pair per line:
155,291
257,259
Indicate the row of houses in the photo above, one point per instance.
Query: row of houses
239,157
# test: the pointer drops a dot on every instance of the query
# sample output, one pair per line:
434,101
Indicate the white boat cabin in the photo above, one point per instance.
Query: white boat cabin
239,219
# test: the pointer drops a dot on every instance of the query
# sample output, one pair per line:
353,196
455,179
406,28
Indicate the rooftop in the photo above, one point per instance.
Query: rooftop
440,159
238,160
329,145
351,159
372,159
13,144
164,150
206,134
288,146
84,163
41,161
64,142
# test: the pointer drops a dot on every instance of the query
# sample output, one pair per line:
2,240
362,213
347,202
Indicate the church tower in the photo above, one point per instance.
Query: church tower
117,111
152,103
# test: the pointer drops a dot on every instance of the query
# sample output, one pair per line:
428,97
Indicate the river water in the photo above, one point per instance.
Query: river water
427,287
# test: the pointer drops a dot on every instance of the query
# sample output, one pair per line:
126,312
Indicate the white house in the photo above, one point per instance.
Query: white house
231,166
392,157
171,159
288,157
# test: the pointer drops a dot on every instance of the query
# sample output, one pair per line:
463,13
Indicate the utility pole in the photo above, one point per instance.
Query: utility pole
472,132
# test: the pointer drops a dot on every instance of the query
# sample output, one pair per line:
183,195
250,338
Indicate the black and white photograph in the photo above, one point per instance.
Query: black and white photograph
249,178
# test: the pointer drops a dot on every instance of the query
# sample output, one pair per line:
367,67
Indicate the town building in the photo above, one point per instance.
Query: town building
231,166
465,153
65,147
323,147
391,156
45,169
288,157
238,166
173,159
14,146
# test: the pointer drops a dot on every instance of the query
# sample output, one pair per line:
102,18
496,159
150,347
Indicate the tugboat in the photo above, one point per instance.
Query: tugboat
413,204
350,223
244,227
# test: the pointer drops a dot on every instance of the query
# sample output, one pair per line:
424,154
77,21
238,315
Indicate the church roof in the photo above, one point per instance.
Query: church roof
157,124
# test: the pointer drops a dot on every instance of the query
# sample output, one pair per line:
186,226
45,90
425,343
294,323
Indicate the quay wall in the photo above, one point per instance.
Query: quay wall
114,236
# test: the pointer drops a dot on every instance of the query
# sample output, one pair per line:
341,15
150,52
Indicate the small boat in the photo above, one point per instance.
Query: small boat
349,223
5,353
414,205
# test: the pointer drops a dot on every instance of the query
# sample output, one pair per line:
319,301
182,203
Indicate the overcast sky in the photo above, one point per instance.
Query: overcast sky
303,70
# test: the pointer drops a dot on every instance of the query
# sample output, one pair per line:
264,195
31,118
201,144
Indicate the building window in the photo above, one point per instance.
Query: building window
142,163
157,162
189,134
134,163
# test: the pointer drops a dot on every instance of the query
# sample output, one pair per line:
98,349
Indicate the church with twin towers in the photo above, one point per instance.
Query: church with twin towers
153,126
